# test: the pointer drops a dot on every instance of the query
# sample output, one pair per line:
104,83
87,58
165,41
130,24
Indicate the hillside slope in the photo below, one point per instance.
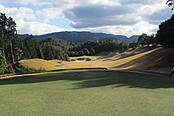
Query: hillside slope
160,60
156,59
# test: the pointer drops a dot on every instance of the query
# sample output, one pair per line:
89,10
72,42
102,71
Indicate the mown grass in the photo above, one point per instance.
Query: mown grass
87,93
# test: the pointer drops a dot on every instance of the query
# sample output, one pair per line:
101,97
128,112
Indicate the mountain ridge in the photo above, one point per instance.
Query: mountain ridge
74,36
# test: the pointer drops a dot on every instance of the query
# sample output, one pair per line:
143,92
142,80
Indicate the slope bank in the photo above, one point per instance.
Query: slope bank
156,59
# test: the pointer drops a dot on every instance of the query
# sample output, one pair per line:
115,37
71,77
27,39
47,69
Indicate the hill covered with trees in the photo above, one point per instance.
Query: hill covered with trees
81,36
54,48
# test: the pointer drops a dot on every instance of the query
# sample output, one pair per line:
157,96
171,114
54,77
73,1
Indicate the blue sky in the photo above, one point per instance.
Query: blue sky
126,17
60,22
18,5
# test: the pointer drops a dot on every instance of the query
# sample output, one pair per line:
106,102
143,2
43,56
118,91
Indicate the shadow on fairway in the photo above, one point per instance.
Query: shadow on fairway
88,79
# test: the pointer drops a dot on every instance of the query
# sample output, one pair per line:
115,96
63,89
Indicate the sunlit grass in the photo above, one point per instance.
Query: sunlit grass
38,64
110,62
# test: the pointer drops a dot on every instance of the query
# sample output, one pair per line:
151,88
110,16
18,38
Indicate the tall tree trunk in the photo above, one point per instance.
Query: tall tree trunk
12,54
3,43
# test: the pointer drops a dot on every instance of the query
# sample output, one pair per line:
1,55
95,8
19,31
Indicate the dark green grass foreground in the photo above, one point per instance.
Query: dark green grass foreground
89,93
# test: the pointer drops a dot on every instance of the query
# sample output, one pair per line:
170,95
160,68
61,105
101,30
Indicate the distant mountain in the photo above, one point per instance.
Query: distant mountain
133,38
74,36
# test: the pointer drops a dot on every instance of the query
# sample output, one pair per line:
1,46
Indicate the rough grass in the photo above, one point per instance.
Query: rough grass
87,93
50,65
108,63
39,64
148,58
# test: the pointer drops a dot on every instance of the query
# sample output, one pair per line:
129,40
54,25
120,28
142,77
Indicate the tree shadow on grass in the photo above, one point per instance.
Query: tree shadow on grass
89,79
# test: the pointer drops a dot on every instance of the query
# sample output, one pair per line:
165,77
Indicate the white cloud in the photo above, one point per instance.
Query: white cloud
48,14
128,17
98,2
18,13
34,2
22,14
36,28
111,16
137,29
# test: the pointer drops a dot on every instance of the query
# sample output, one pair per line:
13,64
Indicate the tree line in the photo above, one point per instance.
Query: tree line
164,35
54,48
94,47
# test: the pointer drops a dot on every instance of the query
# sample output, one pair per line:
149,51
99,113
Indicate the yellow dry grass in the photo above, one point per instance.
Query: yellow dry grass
39,64
122,61
100,63
104,63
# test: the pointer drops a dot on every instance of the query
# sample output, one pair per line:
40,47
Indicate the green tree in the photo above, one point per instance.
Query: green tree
31,47
8,36
165,33
3,63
